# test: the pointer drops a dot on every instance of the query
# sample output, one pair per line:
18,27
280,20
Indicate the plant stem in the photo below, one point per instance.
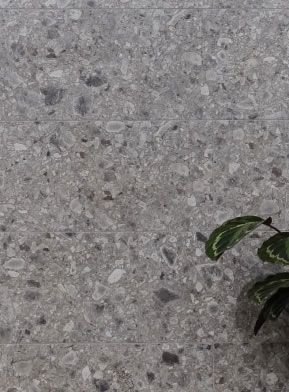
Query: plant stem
268,223
274,228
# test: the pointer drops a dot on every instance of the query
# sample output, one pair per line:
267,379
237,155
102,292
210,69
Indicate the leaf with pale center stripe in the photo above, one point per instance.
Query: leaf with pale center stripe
276,249
264,289
273,308
230,233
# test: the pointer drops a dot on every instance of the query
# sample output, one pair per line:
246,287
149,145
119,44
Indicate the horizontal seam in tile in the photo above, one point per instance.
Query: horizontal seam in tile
148,343
179,232
111,343
39,121
143,8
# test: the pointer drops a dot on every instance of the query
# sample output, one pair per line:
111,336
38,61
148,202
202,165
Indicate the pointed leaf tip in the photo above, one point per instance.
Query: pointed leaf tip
272,308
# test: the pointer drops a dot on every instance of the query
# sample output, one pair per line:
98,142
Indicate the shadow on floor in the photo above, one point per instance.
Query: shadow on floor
268,352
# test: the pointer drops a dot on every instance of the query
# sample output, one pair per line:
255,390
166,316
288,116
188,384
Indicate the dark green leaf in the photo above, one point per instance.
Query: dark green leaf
276,249
264,289
230,233
272,308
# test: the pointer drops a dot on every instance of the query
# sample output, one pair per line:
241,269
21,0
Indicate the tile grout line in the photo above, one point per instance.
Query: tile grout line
95,9
136,343
110,343
165,231
184,119
213,173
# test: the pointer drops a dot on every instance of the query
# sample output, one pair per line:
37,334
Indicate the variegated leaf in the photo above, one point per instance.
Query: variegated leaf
275,249
230,233
264,289
272,308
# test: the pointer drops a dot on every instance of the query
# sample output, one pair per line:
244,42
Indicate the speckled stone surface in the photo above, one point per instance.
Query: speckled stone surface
128,130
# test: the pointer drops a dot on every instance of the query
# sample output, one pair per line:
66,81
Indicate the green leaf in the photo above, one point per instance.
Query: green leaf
272,308
264,289
275,249
230,233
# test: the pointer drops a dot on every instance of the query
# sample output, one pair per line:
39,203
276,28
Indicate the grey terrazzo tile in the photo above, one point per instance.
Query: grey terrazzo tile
251,367
250,162
129,129
58,314
253,4
15,3
172,311
92,4
161,64
171,64
194,299
26,196
244,71
25,93
178,367
171,257
81,259
96,4
96,286
224,290
150,3
73,368
32,4
126,287
106,176
73,68
208,305
54,258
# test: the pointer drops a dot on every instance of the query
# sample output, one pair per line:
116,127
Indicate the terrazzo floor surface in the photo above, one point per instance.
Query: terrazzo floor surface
128,130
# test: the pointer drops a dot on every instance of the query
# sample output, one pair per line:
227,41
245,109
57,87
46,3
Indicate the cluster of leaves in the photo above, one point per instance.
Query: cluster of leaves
273,291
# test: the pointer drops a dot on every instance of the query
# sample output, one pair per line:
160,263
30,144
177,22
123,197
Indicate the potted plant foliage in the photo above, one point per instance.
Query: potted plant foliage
273,291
